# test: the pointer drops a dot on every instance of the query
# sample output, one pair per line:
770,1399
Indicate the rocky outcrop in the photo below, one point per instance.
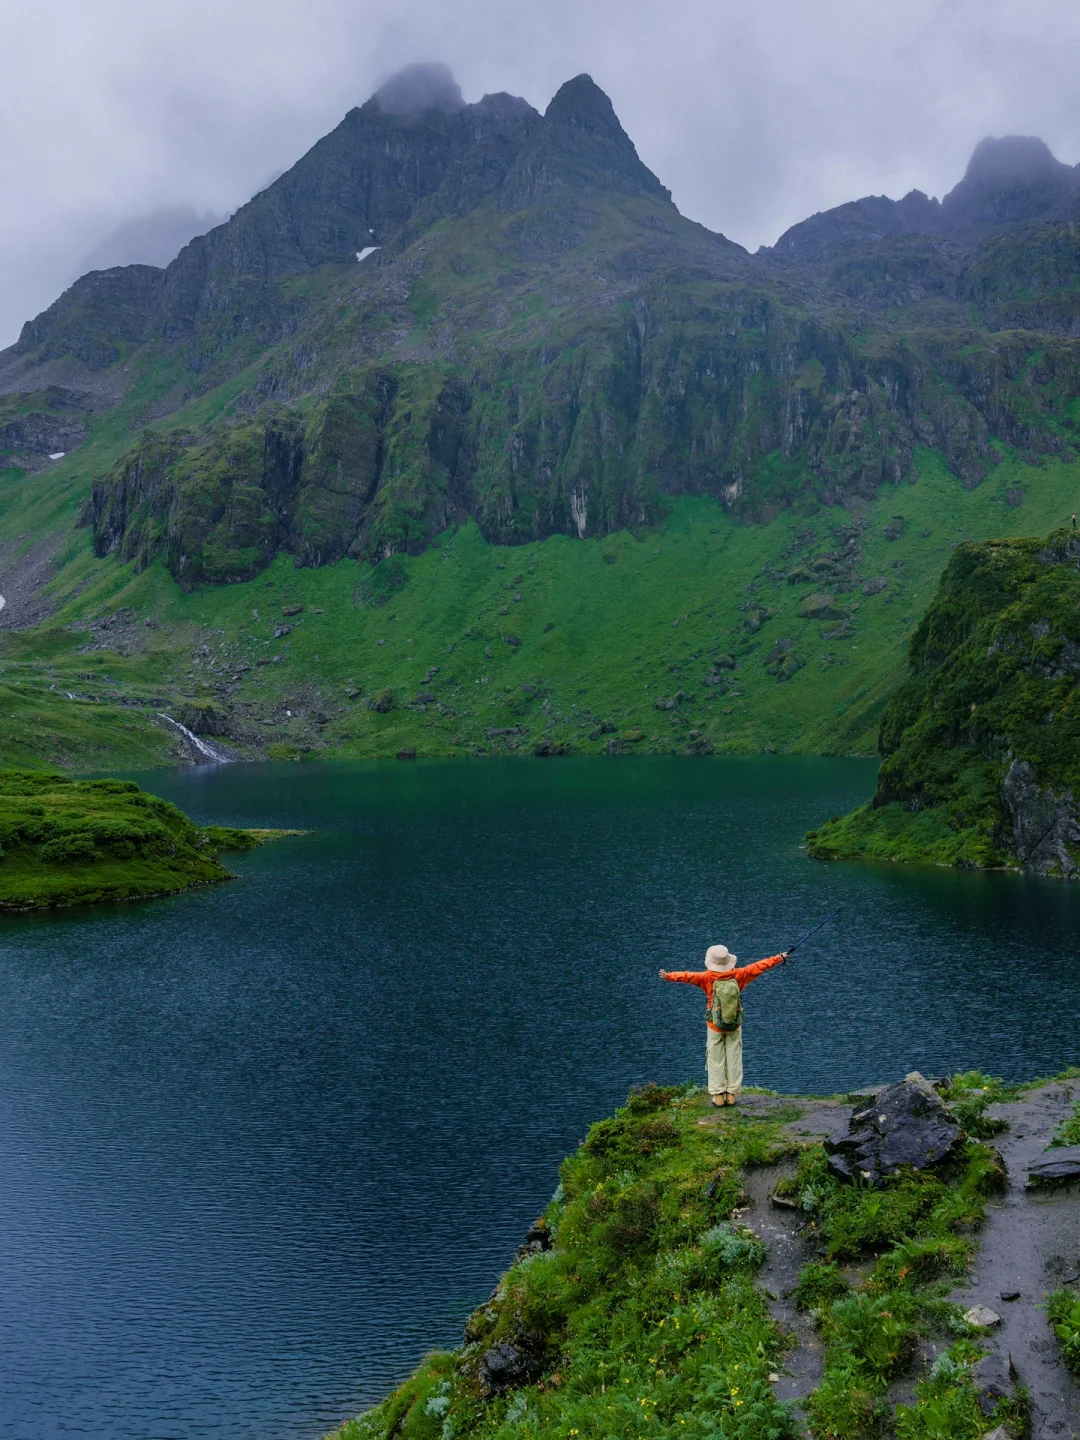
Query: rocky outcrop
32,437
904,1125
1045,829
979,744
1058,1166
505,1367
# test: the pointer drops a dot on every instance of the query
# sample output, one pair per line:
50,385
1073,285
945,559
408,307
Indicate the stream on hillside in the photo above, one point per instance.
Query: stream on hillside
266,1143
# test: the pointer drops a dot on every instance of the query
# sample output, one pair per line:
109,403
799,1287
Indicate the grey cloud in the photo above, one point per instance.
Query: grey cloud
754,115
152,239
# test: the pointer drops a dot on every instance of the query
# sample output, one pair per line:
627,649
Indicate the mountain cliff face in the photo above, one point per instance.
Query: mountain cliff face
536,339
981,745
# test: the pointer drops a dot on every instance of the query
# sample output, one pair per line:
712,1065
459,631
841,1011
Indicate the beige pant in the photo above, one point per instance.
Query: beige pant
723,1059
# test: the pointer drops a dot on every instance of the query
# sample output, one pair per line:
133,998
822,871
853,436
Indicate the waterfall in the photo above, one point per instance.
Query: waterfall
211,753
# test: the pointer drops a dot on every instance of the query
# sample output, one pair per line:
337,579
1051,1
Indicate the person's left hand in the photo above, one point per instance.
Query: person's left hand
663,974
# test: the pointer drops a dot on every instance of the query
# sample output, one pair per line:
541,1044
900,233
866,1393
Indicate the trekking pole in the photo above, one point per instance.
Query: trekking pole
813,931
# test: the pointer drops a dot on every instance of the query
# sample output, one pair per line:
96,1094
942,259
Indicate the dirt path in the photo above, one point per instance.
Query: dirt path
1030,1245
783,1231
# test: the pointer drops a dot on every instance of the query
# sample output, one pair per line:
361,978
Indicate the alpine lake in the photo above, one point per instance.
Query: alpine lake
266,1143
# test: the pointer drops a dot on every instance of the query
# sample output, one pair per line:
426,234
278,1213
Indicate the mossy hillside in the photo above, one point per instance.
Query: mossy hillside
607,630
66,842
642,1316
992,682
583,423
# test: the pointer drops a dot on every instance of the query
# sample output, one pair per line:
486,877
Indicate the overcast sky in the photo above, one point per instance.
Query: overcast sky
755,112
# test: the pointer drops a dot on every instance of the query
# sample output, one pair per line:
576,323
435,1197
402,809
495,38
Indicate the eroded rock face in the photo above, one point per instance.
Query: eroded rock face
36,436
1044,823
906,1124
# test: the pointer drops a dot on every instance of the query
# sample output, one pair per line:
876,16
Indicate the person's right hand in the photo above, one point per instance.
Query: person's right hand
663,974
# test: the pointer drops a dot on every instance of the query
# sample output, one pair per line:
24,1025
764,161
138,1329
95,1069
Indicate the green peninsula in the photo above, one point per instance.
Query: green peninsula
980,744
70,842
713,1276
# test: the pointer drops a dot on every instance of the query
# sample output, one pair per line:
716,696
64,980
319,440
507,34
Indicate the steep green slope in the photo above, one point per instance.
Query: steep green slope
686,637
68,842
981,743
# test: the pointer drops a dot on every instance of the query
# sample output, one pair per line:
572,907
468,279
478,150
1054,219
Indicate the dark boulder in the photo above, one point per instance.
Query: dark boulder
506,1366
906,1124
1057,1167
537,1240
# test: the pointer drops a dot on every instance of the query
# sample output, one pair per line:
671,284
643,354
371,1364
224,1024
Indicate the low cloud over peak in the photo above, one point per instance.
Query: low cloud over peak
755,116
420,87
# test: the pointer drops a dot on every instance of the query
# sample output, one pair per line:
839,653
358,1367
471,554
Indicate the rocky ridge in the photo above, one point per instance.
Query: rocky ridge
538,340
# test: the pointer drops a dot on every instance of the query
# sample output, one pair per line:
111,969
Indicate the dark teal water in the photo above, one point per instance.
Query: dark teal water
264,1144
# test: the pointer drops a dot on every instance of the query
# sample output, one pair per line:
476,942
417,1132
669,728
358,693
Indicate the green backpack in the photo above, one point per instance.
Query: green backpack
725,1008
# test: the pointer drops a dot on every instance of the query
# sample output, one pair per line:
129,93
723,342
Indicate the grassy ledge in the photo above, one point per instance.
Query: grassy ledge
71,842
633,1309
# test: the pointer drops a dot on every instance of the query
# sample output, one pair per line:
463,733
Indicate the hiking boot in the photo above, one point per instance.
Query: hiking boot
731,1100
720,1100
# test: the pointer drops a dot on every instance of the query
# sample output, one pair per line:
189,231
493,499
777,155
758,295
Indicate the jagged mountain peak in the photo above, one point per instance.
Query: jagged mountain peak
1012,157
580,104
580,146
1009,180
429,85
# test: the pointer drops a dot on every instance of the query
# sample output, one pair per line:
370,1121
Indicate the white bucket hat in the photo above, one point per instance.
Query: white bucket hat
719,957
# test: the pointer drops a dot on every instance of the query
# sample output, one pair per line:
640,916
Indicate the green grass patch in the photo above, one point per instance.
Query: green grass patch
1063,1313
67,842
641,1319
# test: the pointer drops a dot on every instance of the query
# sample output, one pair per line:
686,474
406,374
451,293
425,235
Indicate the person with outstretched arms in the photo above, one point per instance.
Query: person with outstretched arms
723,981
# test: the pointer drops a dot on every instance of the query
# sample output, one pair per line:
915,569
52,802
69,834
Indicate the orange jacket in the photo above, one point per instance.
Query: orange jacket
706,979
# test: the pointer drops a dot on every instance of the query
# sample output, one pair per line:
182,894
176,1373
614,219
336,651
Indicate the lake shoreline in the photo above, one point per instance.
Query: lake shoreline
708,1256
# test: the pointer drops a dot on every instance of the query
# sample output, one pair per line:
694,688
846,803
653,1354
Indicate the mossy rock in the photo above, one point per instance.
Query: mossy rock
821,605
